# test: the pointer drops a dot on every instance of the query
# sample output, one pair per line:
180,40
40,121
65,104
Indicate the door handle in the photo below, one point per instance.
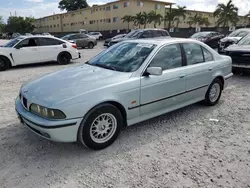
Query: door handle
210,69
182,76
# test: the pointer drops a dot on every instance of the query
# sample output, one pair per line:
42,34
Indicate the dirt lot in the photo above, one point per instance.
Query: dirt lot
179,149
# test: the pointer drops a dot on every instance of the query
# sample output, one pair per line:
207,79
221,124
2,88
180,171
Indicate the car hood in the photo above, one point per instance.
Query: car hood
235,47
69,83
230,39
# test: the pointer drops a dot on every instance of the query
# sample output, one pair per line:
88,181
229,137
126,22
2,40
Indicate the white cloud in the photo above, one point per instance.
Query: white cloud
34,1
37,11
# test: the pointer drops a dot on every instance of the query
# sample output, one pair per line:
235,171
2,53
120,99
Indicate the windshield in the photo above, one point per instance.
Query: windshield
123,57
12,43
239,33
200,35
244,41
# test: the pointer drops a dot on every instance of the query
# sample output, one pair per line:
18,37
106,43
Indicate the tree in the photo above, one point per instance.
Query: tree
194,20
2,24
71,5
19,24
140,19
205,21
226,14
128,19
154,17
175,15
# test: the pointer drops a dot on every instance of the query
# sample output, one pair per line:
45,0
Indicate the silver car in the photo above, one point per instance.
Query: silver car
128,83
81,40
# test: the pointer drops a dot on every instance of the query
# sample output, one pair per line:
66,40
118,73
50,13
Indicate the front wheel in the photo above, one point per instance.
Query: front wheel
101,127
213,93
90,45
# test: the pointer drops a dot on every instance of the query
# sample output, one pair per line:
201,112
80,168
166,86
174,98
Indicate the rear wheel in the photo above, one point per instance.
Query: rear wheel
213,93
90,45
4,63
64,58
101,127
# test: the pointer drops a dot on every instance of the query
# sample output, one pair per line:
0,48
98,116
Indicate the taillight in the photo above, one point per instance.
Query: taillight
74,46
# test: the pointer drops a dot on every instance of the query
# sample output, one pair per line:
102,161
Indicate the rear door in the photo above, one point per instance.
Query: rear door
27,51
49,48
199,70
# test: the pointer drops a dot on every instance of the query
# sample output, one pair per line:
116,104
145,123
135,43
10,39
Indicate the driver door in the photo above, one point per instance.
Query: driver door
26,52
167,90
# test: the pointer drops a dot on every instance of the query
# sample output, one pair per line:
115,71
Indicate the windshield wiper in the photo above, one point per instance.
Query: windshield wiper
105,66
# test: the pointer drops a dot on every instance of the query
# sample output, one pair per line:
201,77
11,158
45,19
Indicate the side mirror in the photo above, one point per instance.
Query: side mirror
18,47
156,71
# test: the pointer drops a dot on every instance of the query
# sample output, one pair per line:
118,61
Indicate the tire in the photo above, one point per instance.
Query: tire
91,139
64,58
215,86
100,38
4,63
90,45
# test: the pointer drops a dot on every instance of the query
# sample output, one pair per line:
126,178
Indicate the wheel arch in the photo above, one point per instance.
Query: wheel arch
11,61
118,105
64,52
221,79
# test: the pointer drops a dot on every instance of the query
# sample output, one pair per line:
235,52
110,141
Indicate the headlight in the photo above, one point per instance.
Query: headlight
46,112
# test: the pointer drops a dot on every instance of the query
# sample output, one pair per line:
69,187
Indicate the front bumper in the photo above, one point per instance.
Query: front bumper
55,130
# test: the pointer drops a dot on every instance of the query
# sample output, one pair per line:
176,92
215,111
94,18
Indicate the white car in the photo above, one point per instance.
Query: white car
97,35
36,49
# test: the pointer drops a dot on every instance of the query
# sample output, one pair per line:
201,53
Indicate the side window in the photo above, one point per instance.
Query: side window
75,36
168,57
164,33
193,53
157,33
28,43
146,34
49,42
83,36
207,55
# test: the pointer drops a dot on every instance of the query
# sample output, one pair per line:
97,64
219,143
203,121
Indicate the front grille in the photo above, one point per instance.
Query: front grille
25,102
240,58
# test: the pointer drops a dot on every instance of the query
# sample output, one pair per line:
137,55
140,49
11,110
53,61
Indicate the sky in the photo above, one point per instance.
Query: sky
41,8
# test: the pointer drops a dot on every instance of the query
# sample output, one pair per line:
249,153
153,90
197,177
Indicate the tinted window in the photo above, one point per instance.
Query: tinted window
28,43
77,36
244,41
83,36
193,53
168,57
207,55
49,42
157,33
164,33
146,34
13,42
124,57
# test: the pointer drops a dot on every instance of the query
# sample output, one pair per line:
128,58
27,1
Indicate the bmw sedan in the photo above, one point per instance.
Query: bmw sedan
130,82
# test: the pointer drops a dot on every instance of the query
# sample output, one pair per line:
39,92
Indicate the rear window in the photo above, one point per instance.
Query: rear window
164,33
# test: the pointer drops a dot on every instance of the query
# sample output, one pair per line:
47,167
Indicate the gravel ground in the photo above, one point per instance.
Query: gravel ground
180,149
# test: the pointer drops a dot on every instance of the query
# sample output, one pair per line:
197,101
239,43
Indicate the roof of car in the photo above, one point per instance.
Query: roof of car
163,40
36,36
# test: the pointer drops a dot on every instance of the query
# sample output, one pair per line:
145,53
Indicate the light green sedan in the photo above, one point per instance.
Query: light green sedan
130,82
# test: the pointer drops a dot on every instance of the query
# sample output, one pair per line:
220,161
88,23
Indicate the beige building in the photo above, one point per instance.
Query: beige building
108,17
100,17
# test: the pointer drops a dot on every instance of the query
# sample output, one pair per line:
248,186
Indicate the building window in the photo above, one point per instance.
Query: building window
50,26
57,17
100,20
64,25
96,10
108,20
157,7
126,4
139,4
107,8
57,25
91,22
115,6
115,19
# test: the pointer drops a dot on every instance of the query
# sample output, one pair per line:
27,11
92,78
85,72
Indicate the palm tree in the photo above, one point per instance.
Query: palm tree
141,19
175,14
194,20
205,21
127,18
226,14
154,17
